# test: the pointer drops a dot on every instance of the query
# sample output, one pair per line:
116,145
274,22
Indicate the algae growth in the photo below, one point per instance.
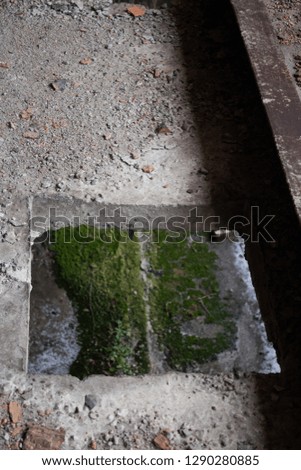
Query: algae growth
101,271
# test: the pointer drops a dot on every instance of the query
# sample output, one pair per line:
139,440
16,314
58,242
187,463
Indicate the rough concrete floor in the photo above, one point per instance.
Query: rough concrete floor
285,16
106,108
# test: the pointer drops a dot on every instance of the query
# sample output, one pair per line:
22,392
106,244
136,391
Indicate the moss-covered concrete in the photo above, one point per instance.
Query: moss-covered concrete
184,288
101,271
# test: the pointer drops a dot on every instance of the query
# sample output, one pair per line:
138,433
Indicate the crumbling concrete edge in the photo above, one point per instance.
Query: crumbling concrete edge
26,219
15,285
278,93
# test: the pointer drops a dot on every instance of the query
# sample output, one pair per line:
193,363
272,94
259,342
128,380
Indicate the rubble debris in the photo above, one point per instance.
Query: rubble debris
31,135
43,438
162,442
136,10
86,61
107,136
90,401
15,412
148,169
135,154
16,431
59,85
93,445
163,130
26,114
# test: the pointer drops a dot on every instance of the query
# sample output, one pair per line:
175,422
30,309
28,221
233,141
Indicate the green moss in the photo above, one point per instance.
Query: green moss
184,287
101,273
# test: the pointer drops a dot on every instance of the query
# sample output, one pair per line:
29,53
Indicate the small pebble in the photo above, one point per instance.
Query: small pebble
59,85
90,401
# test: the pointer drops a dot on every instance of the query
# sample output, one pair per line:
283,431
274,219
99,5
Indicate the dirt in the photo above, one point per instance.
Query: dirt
79,138
195,412
92,99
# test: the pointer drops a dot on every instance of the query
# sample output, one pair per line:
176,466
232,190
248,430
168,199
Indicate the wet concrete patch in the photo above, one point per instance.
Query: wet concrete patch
53,323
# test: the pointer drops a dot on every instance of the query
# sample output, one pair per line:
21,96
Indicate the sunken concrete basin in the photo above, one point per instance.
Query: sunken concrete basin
139,299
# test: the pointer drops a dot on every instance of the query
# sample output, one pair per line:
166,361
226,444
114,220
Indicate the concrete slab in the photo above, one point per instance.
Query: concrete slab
277,89
130,411
15,282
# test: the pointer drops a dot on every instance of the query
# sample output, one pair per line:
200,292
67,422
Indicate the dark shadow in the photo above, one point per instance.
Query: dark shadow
244,167
232,125
279,403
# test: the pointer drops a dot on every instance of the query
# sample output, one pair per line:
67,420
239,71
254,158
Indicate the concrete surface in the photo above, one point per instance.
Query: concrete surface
148,120
277,88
